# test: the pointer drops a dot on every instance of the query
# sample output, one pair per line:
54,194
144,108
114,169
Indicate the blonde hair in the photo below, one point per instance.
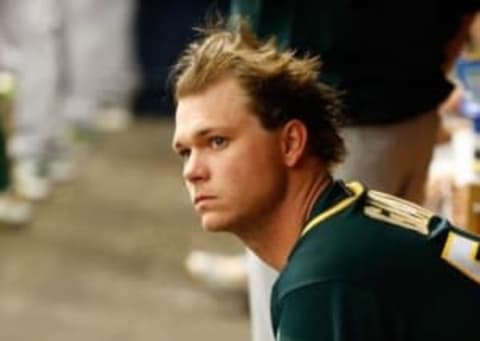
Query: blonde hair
280,85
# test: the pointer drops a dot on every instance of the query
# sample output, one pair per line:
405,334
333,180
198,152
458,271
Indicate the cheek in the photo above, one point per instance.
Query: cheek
250,183
258,175
249,165
264,162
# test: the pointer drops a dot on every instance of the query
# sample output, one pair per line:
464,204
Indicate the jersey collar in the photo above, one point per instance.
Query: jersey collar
334,199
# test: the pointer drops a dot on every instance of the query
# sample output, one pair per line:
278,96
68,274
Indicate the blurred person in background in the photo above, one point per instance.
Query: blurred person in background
14,210
162,29
30,27
70,60
99,70
466,75
392,77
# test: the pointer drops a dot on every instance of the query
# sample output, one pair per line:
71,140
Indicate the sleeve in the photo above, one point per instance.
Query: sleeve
330,312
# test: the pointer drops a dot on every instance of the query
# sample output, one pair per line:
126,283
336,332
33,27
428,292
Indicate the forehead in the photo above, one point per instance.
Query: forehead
224,104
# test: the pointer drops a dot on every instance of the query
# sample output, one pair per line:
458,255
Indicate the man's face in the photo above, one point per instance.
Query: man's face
232,166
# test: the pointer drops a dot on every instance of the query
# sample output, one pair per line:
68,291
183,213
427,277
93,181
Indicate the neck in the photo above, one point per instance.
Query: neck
274,238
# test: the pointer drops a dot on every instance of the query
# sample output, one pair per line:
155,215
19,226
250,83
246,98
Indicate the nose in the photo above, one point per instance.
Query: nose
194,169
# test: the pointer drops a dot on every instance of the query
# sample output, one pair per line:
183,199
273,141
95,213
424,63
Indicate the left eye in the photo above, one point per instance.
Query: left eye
218,142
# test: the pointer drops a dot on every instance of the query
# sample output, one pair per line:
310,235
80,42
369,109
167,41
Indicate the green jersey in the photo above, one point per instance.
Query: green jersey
368,50
370,266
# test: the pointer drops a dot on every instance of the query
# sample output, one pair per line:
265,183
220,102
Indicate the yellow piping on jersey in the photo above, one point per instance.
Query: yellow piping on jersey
357,190
460,252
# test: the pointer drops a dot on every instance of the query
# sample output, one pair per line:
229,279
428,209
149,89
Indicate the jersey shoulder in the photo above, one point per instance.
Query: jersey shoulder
356,239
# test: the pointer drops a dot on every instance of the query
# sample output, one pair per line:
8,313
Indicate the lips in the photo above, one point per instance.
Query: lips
202,198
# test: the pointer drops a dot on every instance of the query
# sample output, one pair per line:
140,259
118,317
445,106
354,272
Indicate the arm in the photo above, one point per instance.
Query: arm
455,45
452,103
331,312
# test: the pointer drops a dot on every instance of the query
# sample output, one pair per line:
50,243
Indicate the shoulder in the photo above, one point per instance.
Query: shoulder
364,242
308,312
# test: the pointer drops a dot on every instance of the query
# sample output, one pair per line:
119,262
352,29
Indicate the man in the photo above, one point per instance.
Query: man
258,136
391,78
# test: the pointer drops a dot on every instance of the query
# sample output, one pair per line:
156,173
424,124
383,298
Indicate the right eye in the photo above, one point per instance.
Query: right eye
184,153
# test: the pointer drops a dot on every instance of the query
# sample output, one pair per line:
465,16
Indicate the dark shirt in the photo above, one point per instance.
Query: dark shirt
374,267
386,57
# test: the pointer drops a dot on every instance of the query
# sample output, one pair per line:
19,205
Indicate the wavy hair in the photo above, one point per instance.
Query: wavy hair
280,85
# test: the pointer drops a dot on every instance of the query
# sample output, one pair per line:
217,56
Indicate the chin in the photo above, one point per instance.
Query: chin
215,223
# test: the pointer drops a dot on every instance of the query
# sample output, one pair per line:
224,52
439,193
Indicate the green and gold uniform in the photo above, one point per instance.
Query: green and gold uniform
370,266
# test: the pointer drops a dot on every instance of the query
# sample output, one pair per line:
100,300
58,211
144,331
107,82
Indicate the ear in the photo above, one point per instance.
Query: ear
294,142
